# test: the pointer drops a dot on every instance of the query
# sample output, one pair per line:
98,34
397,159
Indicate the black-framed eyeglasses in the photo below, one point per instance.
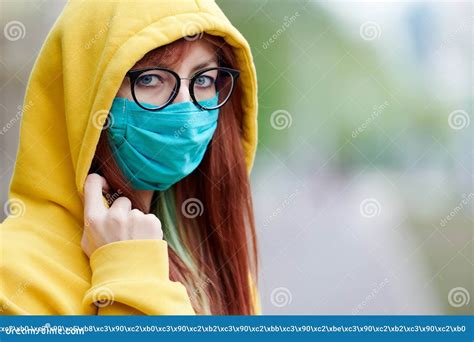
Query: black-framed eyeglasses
155,88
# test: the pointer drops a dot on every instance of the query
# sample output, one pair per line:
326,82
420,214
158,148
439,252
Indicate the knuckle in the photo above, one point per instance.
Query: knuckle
136,213
153,219
115,217
92,219
154,226
124,199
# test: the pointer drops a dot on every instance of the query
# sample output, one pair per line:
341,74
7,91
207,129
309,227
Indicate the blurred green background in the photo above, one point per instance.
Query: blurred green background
363,181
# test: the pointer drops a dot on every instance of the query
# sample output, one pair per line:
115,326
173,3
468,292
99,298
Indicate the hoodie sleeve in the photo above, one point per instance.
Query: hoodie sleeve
132,278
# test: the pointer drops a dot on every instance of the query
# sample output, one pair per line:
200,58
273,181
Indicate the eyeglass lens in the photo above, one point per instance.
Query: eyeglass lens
155,88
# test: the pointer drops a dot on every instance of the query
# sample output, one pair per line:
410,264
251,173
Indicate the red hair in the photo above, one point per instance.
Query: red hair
222,242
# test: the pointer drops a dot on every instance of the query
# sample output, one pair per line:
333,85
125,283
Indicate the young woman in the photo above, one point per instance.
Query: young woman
131,189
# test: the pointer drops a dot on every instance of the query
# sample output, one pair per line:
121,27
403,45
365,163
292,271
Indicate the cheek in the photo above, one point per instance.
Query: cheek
124,90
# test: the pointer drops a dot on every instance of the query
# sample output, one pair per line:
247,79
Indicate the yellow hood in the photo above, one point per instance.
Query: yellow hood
80,68
74,80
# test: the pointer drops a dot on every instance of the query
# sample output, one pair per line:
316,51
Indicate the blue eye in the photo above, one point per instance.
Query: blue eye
149,80
204,81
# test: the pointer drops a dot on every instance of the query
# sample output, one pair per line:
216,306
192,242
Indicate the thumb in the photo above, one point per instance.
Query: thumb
95,186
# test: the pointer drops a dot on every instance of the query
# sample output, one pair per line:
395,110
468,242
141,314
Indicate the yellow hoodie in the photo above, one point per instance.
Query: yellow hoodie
75,78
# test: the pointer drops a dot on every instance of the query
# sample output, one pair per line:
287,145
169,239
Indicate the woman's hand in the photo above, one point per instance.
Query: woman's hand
104,225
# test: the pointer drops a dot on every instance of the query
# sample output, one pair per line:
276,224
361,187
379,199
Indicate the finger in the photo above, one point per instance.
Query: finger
149,228
136,212
122,204
93,200
152,218
134,216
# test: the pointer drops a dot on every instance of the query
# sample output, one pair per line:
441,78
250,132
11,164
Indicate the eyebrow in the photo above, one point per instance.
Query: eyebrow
203,65
168,65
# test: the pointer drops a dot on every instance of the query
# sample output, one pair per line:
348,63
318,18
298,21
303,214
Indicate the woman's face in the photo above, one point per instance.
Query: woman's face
200,54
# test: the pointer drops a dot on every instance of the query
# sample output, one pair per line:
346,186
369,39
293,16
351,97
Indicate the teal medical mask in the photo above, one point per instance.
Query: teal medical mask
155,150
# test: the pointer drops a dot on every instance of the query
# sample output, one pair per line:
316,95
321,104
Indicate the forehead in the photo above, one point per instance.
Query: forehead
182,52
200,47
